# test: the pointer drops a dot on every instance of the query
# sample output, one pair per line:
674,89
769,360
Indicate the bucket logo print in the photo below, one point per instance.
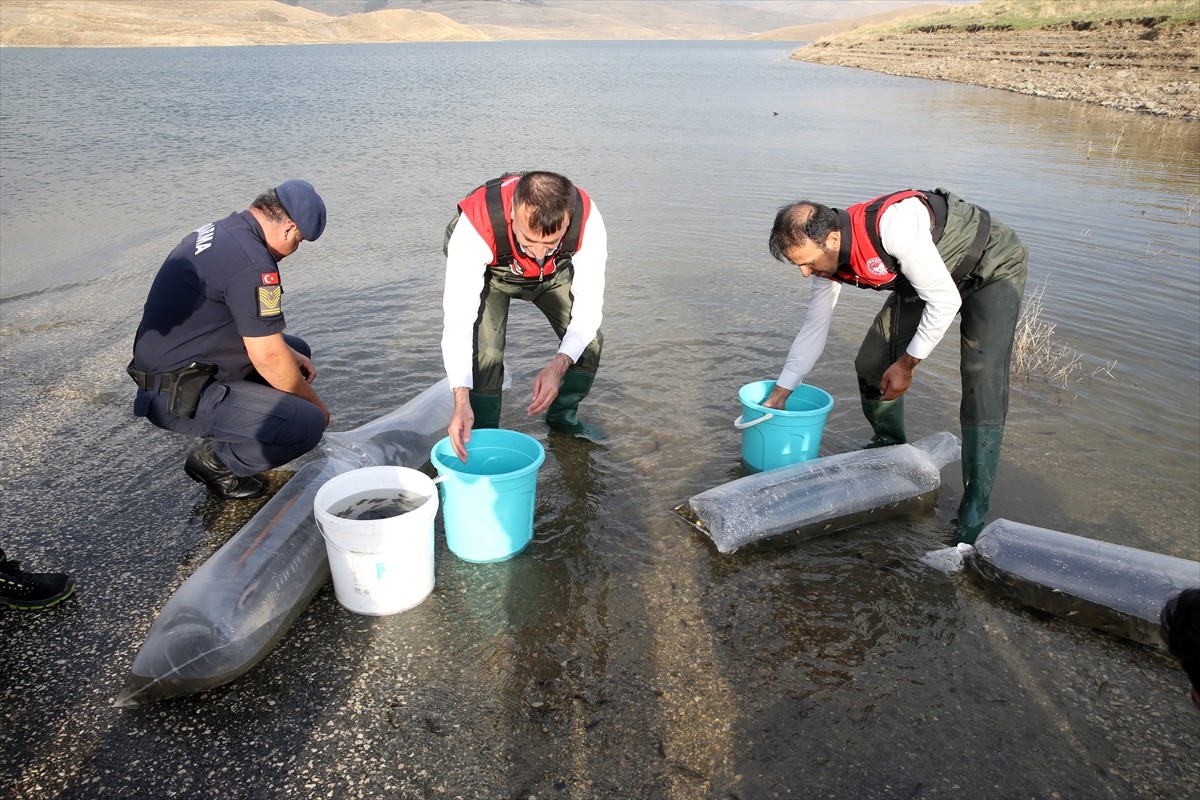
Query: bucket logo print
270,301
875,267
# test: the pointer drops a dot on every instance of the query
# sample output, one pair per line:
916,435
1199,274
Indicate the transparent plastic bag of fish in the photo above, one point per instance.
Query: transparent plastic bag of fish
232,610
824,495
1111,587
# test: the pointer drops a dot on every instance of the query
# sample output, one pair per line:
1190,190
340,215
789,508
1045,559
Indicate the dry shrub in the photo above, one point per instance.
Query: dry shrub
1040,358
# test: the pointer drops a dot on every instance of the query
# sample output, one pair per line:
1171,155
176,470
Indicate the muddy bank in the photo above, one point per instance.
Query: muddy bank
1130,65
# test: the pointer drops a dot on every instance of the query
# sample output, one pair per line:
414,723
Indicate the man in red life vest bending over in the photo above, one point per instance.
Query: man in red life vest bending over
938,255
533,237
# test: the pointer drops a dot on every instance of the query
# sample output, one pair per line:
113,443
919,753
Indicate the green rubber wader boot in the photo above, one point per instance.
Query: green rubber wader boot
887,420
486,408
980,458
561,416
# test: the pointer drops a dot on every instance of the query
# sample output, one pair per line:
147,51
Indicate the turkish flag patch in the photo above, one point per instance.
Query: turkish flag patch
270,278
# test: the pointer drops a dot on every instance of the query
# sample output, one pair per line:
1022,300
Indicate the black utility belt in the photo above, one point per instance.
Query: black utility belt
183,385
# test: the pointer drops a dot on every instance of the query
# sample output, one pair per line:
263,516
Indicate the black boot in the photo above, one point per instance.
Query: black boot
887,421
562,414
486,408
203,466
980,459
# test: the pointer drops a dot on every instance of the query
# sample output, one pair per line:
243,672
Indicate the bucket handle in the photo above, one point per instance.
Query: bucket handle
741,426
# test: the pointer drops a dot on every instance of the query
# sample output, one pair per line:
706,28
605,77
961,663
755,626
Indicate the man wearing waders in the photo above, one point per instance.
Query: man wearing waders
533,237
938,255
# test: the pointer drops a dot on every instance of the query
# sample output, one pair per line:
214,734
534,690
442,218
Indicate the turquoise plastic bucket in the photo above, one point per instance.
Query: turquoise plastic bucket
487,503
778,437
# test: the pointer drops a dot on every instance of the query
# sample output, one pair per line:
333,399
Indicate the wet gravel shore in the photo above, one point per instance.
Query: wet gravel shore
1128,65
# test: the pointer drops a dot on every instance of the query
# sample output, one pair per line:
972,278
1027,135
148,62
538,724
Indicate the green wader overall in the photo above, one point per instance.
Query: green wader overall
553,298
991,305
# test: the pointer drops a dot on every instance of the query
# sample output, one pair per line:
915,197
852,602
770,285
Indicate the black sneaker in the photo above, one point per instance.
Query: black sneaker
31,591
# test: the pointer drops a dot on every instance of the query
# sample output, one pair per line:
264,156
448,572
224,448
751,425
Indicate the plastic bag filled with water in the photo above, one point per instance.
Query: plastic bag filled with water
1107,586
232,610
822,496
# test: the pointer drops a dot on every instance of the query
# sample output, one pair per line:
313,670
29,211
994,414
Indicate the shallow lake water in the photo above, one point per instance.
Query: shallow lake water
619,655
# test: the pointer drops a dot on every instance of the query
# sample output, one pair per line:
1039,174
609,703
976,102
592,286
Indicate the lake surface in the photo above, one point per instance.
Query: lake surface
620,655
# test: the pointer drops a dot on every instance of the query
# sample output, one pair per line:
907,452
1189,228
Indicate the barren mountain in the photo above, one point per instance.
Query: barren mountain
614,19
818,30
175,23
157,23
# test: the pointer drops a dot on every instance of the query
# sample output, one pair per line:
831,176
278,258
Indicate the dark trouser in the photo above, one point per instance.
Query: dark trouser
253,426
990,311
991,306
552,297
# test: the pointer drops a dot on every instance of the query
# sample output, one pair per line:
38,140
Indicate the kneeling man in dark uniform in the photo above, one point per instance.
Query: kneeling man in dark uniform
210,357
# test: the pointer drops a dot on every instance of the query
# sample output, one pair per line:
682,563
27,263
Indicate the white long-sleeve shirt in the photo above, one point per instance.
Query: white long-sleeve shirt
466,270
904,230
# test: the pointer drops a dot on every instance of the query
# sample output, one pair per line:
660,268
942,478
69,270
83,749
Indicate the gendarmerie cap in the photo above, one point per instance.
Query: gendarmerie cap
306,208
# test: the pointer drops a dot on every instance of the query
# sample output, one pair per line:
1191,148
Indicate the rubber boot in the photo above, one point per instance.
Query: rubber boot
561,416
486,408
887,420
980,458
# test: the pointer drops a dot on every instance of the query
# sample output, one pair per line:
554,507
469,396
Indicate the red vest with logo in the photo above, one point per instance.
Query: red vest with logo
870,266
490,206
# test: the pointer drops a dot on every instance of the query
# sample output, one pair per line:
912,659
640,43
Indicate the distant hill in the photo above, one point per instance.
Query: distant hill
819,30
608,19
592,19
182,23
168,23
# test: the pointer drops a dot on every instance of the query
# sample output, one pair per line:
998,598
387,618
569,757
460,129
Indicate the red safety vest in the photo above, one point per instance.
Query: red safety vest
490,207
870,265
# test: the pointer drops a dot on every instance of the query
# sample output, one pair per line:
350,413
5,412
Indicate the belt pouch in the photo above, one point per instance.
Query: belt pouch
190,381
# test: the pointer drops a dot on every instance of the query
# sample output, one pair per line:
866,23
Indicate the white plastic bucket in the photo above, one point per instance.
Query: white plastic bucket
379,566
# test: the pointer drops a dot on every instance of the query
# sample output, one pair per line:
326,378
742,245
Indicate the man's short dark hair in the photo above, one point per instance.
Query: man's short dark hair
548,196
1179,624
268,203
801,222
